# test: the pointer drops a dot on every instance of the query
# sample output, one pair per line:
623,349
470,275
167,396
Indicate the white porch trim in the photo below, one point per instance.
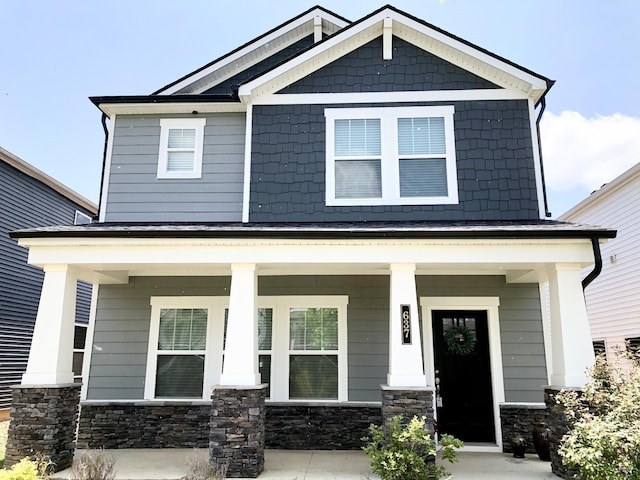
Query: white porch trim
490,305
51,354
240,366
570,333
405,359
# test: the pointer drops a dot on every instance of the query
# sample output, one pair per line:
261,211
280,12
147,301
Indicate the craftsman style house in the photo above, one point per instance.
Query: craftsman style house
334,220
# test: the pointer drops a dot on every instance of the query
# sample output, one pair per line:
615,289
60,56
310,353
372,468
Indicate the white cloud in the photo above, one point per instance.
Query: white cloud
585,153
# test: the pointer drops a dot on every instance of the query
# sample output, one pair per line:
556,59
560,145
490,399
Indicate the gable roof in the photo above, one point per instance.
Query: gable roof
316,21
22,166
334,37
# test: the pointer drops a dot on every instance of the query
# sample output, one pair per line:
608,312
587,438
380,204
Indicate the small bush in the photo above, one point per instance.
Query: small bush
201,468
93,465
603,442
407,452
27,469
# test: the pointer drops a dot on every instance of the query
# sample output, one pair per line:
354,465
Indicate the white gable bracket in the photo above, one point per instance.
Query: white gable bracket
317,29
387,36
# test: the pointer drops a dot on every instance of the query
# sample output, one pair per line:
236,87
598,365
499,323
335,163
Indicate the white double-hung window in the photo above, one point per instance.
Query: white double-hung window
181,143
391,156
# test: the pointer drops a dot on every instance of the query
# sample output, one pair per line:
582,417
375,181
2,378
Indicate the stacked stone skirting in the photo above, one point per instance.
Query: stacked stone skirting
519,420
558,427
161,424
144,425
408,402
43,423
236,437
319,427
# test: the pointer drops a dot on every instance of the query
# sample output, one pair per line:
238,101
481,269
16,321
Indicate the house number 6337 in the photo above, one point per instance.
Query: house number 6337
405,315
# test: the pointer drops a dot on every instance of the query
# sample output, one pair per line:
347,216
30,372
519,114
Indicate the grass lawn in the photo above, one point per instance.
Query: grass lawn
4,427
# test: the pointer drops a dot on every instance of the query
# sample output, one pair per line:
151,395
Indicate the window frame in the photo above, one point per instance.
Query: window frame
167,124
390,157
213,342
77,377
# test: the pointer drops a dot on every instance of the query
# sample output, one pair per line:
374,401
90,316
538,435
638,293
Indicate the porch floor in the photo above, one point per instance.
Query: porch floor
169,464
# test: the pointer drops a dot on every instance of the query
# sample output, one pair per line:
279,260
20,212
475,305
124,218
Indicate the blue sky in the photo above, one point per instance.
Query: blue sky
56,53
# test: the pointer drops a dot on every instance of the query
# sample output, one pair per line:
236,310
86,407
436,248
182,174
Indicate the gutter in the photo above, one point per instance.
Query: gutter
104,159
597,268
543,105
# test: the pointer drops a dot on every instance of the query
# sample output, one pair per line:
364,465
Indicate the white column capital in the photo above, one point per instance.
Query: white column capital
402,267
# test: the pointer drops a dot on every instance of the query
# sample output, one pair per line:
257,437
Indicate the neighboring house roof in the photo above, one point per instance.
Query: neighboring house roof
497,229
19,164
338,38
606,190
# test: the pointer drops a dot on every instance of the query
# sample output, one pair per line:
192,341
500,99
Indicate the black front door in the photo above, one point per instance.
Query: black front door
464,399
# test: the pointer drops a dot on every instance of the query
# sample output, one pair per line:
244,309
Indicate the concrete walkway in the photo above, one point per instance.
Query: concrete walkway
169,464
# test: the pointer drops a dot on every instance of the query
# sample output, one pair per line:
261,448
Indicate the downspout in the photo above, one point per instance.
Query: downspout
543,105
104,160
597,268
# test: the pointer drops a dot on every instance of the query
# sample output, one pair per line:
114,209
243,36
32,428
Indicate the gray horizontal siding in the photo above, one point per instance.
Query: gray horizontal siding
121,334
523,354
367,328
135,194
25,203
123,314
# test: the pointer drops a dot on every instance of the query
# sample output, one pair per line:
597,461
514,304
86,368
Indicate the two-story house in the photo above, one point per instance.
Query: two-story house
30,198
335,222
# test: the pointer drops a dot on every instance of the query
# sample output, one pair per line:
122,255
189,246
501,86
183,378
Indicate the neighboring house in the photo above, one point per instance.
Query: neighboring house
30,198
331,207
613,299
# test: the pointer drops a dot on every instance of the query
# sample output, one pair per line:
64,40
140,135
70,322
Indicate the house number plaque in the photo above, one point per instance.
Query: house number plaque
405,316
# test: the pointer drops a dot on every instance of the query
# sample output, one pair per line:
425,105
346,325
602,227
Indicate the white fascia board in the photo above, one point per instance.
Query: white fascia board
170,107
129,254
402,26
383,97
299,22
535,82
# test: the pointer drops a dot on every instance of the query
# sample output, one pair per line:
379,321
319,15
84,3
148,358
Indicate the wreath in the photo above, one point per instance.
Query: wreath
460,340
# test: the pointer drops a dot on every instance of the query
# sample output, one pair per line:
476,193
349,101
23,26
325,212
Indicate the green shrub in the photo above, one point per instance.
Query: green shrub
26,469
407,452
603,442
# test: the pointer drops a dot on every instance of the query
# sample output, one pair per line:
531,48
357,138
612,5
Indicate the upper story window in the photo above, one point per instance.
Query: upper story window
391,156
81,218
181,142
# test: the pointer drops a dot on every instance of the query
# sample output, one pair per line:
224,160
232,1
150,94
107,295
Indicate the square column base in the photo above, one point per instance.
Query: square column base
43,422
236,436
408,402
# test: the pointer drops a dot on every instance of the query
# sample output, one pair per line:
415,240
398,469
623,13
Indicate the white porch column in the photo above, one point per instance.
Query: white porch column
571,345
405,359
51,354
240,366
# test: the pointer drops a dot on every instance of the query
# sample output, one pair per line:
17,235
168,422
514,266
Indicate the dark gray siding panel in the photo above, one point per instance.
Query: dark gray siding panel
123,312
136,194
411,68
523,355
367,317
494,150
25,203
230,85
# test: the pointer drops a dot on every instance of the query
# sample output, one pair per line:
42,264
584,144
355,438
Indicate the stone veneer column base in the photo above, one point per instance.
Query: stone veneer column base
236,435
558,427
43,422
407,402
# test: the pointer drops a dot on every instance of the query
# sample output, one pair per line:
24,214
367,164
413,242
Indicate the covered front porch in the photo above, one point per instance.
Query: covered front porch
237,271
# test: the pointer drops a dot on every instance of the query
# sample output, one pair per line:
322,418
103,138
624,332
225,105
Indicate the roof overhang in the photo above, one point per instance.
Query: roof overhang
105,254
470,57
157,104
